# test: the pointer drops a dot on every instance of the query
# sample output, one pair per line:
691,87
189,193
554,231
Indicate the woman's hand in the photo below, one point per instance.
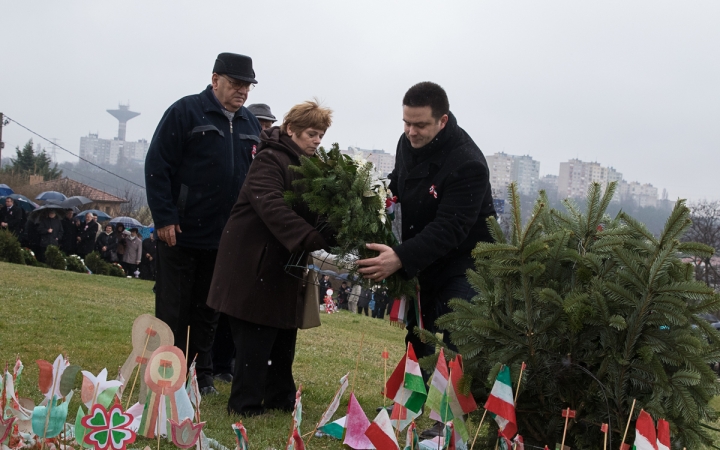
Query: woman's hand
381,266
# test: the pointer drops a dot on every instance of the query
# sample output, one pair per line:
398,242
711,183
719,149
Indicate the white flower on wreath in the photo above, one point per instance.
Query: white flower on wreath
381,214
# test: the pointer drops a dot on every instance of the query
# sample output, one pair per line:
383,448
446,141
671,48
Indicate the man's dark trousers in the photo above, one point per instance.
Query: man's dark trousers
263,368
183,281
434,303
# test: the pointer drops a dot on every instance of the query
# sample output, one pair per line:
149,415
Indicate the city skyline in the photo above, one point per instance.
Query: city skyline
630,85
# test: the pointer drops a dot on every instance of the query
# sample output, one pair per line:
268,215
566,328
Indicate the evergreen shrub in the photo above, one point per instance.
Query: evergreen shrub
75,264
29,257
10,250
116,270
54,258
602,312
96,264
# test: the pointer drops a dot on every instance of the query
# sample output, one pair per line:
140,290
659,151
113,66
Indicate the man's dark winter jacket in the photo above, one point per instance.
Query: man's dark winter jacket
87,235
109,241
50,237
13,217
68,243
444,192
195,167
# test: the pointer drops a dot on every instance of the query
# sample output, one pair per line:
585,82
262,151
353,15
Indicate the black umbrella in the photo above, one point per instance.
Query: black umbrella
70,202
57,208
102,217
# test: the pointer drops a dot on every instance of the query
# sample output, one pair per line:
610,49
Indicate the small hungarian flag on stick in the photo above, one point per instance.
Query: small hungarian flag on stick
240,435
406,386
380,432
501,404
645,438
663,435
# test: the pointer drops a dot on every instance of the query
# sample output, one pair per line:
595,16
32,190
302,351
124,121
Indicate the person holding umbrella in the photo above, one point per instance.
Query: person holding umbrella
86,237
11,217
50,230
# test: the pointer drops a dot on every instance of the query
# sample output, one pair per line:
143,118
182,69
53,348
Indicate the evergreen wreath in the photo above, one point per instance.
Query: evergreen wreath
349,195
602,311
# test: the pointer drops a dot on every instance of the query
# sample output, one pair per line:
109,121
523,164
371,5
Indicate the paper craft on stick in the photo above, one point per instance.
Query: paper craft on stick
49,420
164,375
98,389
108,429
381,433
5,427
240,436
355,426
148,333
49,377
185,434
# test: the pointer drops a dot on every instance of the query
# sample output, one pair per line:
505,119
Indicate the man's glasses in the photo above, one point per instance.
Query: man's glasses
238,85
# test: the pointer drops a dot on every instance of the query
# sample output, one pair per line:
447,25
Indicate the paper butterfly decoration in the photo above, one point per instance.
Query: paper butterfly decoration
108,429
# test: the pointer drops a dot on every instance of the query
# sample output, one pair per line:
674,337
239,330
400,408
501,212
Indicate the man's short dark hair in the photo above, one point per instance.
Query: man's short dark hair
429,94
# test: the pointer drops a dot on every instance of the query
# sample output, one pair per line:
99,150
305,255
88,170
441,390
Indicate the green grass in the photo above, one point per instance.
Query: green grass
88,318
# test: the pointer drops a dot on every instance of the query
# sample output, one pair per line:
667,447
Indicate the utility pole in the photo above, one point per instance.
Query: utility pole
2,144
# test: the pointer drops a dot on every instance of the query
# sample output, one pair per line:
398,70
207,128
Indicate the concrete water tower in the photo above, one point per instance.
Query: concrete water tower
122,114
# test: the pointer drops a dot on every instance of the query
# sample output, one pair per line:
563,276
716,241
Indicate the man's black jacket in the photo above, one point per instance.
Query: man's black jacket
445,197
13,217
196,165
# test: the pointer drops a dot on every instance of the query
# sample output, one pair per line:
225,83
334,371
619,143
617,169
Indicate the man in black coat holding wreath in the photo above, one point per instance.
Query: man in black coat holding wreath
442,183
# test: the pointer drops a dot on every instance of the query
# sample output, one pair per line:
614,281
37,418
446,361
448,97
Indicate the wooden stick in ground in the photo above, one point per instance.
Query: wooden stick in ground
605,443
567,418
627,427
385,358
187,343
142,357
478,430
357,362
517,389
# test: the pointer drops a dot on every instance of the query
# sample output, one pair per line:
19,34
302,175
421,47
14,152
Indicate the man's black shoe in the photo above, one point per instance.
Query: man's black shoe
433,432
208,390
224,377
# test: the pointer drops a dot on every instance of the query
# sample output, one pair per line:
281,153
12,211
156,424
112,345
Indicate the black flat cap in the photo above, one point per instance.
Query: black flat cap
261,111
235,66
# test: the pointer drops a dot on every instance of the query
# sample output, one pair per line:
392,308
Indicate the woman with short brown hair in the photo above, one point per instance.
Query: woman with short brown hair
250,284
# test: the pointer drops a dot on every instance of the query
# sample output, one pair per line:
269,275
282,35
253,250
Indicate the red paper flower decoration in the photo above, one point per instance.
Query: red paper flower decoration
185,434
108,429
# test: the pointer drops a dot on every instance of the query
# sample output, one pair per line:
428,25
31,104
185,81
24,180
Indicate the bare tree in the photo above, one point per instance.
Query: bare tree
136,204
706,230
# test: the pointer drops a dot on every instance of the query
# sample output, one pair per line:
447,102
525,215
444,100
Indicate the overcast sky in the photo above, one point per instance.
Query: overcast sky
633,85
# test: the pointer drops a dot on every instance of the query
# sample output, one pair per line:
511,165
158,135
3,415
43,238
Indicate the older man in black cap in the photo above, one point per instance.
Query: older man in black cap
263,114
194,169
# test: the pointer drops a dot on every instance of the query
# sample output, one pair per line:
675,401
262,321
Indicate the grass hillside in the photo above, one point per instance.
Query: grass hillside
88,318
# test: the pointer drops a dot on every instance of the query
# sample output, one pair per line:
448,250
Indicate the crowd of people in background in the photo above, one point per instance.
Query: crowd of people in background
81,236
357,299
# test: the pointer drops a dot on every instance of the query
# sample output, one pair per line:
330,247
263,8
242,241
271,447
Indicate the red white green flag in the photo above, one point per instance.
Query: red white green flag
401,417
240,435
381,433
645,438
412,441
438,384
502,405
406,386
663,435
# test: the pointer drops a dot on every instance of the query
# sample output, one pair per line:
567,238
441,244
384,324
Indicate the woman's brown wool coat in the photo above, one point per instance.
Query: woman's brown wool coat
250,281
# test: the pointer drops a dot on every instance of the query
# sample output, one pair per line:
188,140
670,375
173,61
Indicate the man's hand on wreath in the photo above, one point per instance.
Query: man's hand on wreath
167,234
381,266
